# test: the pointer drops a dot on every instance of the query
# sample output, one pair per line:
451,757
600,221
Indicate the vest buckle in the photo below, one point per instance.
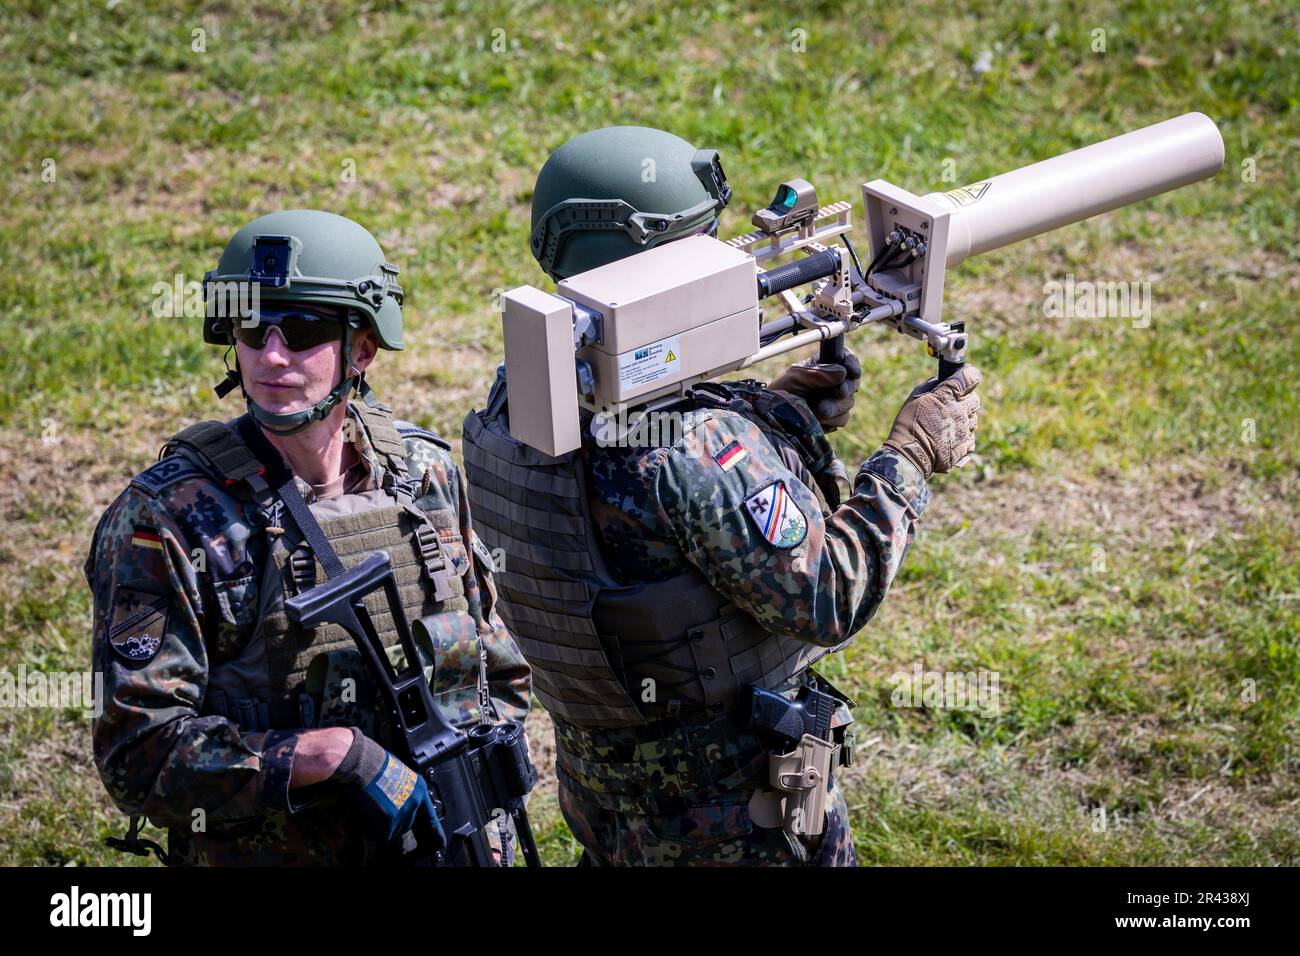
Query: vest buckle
441,584
435,565
302,568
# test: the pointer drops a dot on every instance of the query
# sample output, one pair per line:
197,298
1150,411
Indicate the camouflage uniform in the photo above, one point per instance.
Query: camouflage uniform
653,588
175,567
685,788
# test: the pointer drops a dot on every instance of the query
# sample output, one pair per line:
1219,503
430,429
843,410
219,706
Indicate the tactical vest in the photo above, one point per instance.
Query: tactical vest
286,677
592,642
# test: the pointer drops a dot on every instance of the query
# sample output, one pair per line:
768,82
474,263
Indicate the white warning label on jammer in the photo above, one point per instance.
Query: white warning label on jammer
649,363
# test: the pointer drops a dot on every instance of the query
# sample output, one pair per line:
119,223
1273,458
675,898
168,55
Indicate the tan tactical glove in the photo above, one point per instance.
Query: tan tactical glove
935,428
827,388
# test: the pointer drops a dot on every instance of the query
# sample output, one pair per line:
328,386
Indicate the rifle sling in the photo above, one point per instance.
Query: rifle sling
280,477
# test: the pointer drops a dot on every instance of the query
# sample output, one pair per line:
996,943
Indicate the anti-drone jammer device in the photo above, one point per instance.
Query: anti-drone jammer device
656,323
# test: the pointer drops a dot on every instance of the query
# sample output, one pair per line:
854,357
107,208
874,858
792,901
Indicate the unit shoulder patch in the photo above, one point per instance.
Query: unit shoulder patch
137,624
777,516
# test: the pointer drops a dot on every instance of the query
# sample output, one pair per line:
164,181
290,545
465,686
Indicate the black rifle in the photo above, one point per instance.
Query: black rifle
469,775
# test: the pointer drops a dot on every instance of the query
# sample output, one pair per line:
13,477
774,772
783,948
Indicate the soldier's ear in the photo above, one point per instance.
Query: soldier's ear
364,347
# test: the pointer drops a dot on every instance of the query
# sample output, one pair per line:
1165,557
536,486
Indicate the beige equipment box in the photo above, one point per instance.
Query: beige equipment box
669,313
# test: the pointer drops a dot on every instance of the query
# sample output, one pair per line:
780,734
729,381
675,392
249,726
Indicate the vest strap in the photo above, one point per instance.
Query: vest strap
280,477
377,419
435,563
214,441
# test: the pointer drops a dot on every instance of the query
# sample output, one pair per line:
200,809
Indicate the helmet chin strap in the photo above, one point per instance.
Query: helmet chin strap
290,423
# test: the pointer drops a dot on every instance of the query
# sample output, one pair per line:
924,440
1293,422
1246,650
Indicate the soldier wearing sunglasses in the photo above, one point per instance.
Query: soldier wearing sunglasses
251,740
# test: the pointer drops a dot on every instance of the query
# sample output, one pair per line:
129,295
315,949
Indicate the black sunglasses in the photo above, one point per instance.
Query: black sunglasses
302,327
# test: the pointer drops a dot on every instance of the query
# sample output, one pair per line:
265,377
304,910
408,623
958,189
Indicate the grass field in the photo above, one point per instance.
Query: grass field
1123,553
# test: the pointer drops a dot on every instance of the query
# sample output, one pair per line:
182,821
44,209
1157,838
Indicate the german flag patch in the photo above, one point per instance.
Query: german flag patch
144,537
730,456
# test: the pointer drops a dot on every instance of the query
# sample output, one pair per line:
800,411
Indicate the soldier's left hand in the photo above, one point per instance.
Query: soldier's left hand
828,388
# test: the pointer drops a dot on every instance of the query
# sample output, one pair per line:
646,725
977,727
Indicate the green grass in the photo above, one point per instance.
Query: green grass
1121,682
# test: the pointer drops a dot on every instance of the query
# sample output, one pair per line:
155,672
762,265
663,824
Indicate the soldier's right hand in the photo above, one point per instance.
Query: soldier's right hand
390,798
827,387
935,428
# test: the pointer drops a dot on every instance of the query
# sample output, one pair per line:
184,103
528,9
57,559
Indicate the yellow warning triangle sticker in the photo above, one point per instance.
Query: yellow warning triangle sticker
969,194
671,357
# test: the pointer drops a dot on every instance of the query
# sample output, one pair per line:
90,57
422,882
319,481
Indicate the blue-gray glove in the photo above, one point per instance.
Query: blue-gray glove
390,798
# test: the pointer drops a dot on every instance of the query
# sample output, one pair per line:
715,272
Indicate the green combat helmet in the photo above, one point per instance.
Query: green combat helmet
303,257
613,192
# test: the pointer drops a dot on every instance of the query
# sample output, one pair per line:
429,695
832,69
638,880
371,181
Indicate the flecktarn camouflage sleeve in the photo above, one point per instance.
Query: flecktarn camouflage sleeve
154,752
757,533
